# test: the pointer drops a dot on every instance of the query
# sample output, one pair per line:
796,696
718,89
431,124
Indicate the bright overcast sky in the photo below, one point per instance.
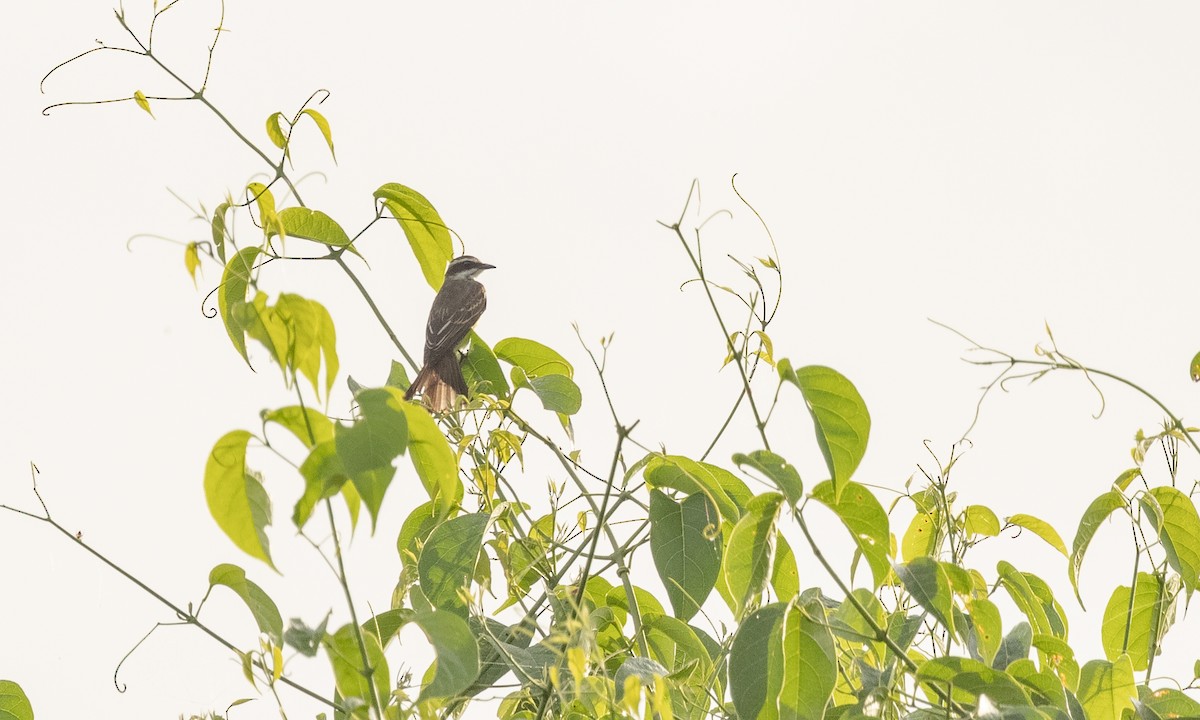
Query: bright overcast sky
991,165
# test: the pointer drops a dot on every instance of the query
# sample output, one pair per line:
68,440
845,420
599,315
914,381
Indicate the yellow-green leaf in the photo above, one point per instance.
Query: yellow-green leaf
839,414
313,225
1042,529
140,98
14,704
236,498
1106,689
231,298
323,125
427,234
191,260
275,131
261,606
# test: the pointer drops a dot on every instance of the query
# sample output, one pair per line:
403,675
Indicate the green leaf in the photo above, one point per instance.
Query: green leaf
1169,702
865,518
647,603
1042,529
415,532
236,498
1015,646
1179,531
191,260
306,640
1106,689
967,679
839,415
1027,600
457,653
752,684
367,447
1130,630
980,520
986,621
723,488
310,426
809,669
432,458
482,371
261,606
920,539
426,233
397,377
275,131
1194,368
747,561
140,98
447,561
324,475
310,337
558,393
686,544
231,297
323,126
14,704
349,676
785,578
268,218
1096,514
534,358
925,579
313,225
777,470
219,230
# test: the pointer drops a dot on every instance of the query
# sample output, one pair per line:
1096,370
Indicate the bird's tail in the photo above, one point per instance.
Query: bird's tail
439,383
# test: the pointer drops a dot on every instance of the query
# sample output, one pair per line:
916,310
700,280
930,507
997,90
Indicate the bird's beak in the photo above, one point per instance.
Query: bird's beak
485,266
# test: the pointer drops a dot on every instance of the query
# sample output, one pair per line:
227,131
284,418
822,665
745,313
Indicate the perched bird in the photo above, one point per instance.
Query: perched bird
455,309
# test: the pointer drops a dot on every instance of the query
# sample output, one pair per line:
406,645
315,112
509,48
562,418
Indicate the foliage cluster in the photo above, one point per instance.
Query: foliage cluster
503,587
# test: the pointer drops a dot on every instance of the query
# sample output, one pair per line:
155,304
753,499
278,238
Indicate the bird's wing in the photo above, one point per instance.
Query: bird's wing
455,310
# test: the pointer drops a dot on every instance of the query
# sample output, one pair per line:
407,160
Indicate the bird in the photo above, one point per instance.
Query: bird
456,308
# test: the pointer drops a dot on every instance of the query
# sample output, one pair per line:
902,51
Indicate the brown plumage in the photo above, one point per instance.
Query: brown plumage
455,310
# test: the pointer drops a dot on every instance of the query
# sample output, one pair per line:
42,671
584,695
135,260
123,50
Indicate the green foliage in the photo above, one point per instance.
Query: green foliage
548,595
14,705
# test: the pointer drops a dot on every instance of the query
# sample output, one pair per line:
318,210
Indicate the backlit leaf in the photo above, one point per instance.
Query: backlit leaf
481,369
1106,689
839,415
967,679
432,458
427,234
534,358
275,131
750,548
457,653
686,546
191,260
865,518
558,393
926,581
219,230
726,491
236,498
310,426
1179,531
261,606
809,669
1130,630
323,126
980,520
14,704
781,473
447,561
140,98
231,297
350,678
920,539
1093,517
1042,529
313,225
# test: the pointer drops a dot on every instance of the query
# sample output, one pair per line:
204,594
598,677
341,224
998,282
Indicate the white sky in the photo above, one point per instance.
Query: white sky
991,165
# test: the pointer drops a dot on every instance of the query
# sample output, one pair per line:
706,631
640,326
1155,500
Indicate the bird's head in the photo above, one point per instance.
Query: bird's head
465,266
